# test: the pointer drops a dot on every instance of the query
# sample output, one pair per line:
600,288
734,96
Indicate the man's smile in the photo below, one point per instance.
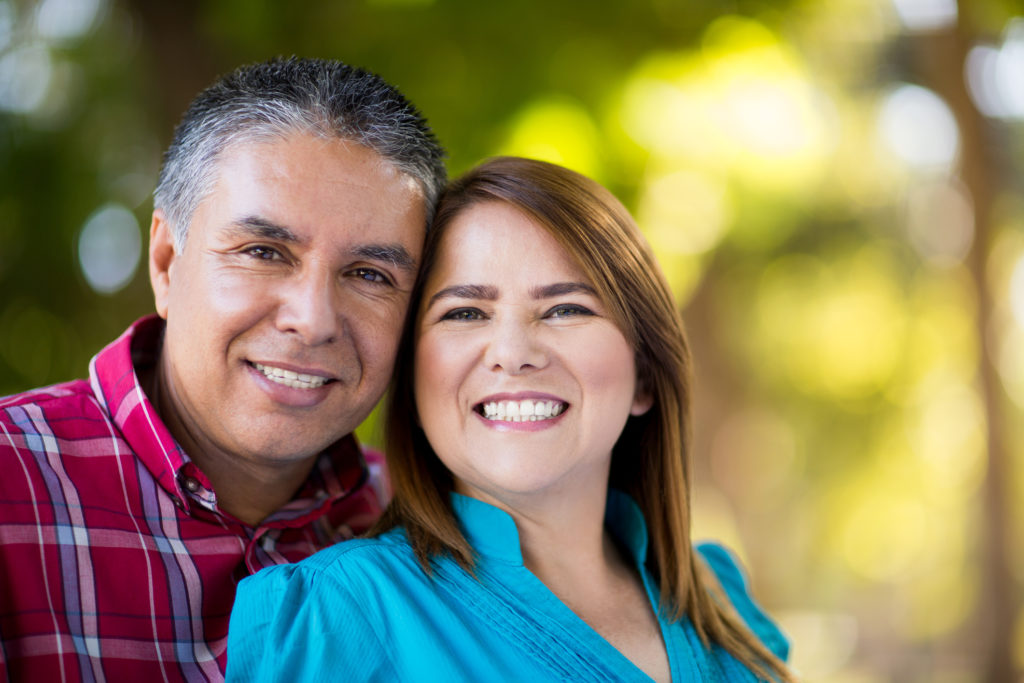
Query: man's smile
291,378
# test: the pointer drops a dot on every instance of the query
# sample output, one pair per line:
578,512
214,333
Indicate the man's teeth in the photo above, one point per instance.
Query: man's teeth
522,411
295,380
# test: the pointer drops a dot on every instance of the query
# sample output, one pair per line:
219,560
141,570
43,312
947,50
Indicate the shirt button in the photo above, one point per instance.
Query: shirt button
192,484
179,504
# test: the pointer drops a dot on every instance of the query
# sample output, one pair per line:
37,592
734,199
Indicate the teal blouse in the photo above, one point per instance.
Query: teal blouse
364,610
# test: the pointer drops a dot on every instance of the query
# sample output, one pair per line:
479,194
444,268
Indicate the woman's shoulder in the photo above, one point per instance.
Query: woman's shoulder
346,567
287,619
726,567
346,558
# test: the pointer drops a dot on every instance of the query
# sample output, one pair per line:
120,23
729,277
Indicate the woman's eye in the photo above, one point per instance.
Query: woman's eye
370,275
568,311
463,314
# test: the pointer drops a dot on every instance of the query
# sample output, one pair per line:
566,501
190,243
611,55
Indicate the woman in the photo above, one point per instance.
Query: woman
538,446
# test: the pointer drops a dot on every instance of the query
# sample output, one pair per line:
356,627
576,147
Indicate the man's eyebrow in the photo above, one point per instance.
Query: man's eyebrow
395,254
562,288
486,292
264,229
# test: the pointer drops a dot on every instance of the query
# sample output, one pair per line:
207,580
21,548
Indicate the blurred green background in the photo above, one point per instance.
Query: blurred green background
832,187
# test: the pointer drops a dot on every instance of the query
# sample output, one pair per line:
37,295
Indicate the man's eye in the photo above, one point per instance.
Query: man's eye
463,314
371,275
262,253
568,311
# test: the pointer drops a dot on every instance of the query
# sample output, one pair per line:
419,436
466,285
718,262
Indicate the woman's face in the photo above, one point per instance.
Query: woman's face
522,381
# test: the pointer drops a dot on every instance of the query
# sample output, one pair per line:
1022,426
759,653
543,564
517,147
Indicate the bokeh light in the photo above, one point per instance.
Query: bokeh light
1017,291
685,212
109,247
6,24
824,642
63,20
743,106
926,15
558,130
24,78
833,329
918,127
994,74
940,221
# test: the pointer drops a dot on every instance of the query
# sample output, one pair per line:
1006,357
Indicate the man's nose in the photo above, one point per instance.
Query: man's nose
309,307
515,347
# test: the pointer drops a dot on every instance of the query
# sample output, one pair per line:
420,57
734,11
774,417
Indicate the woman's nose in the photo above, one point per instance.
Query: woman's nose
515,347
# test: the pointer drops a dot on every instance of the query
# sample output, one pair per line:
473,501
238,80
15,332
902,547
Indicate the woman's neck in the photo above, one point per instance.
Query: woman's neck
562,537
566,546
567,541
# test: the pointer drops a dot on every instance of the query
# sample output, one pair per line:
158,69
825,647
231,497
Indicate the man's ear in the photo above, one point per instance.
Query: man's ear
161,258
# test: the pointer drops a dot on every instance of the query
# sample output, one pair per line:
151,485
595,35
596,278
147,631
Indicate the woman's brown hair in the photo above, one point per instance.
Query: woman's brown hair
650,461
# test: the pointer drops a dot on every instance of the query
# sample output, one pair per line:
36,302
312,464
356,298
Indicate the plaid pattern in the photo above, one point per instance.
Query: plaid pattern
115,563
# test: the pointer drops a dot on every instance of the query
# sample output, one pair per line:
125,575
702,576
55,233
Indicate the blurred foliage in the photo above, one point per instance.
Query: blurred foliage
797,178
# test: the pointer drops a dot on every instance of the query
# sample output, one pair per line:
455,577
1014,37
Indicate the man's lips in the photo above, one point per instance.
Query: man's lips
521,407
293,376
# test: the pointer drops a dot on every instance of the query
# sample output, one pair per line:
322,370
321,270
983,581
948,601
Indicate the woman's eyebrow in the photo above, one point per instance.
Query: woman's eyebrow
486,292
561,289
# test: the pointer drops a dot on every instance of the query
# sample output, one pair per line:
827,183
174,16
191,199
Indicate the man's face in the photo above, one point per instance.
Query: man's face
285,306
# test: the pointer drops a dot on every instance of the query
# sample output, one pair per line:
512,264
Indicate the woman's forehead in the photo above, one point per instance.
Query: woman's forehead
494,240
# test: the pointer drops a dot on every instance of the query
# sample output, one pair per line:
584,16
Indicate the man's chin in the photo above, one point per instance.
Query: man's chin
278,451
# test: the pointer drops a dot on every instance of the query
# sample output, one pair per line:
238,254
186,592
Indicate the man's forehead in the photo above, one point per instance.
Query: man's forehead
270,144
313,162
276,160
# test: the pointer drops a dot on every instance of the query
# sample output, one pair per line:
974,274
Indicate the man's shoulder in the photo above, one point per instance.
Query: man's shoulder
59,419
67,399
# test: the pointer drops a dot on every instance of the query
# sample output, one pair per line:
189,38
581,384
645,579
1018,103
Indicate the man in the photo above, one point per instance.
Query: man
215,438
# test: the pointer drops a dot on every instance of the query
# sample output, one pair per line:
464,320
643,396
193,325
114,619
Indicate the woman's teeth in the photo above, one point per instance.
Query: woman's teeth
295,380
522,411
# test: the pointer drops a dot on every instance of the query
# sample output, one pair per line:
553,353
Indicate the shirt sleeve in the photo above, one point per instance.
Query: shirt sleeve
290,623
725,566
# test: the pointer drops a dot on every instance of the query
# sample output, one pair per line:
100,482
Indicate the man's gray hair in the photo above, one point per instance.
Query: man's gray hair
320,97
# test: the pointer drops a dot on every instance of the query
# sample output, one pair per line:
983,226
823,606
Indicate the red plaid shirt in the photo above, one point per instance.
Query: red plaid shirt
115,562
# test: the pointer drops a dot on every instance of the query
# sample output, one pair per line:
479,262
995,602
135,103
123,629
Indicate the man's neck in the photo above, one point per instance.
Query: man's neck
244,491
251,497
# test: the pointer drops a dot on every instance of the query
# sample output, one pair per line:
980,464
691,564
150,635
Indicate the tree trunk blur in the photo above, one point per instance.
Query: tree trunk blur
180,57
940,59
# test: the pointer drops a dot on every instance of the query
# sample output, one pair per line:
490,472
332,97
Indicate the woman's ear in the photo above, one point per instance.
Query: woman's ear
642,400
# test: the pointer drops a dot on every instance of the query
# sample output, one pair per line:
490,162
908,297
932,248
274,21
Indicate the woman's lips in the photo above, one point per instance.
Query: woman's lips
521,407
524,410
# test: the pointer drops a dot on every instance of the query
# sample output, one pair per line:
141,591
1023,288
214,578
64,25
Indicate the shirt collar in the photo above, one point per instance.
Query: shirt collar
113,374
115,383
493,534
338,471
